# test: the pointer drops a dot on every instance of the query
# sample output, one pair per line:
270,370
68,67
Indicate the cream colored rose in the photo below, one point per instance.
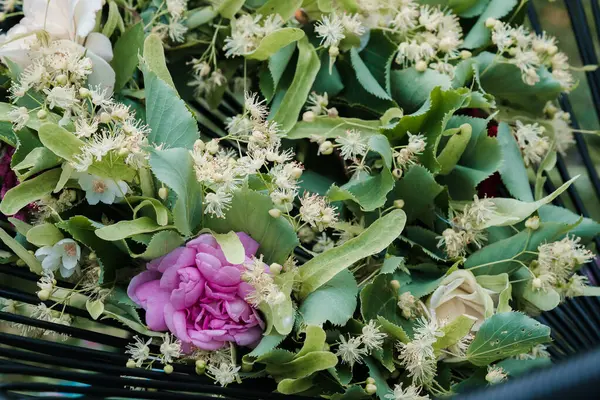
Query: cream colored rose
460,294
67,20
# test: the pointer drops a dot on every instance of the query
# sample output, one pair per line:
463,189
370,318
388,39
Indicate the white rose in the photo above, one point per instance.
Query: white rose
70,20
460,294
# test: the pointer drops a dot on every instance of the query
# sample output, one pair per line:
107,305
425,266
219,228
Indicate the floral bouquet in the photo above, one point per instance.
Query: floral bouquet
360,214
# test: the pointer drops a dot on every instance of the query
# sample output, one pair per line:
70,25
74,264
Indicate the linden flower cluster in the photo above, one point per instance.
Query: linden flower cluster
139,350
560,122
353,350
467,228
247,32
418,356
224,172
556,264
428,37
219,365
534,145
175,29
529,52
204,79
406,393
405,156
316,105
265,288
333,28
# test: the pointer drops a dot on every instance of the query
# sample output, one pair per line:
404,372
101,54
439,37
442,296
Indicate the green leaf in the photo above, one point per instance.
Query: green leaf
109,256
154,55
363,75
29,191
126,51
380,380
292,386
503,81
285,9
304,366
455,331
393,330
172,123
587,229
510,211
44,235
228,8
295,96
162,243
232,247
278,63
175,168
126,229
378,56
118,314
39,159
374,239
200,16
411,88
112,19
95,308
339,294
379,301
512,170
328,128
249,213
504,335
391,264
267,343
159,211
418,189
21,252
453,150
369,191
500,285
275,41
331,83
315,340
480,35
22,227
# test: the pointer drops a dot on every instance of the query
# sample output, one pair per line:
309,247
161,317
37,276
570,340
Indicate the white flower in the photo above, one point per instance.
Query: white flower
454,241
352,24
176,8
407,303
316,211
350,352
177,31
224,374
563,135
62,97
533,145
139,350
371,337
419,359
19,116
409,393
495,374
85,128
352,145
318,103
170,348
64,255
99,189
459,294
217,203
416,143
330,30
538,351
256,107
67,20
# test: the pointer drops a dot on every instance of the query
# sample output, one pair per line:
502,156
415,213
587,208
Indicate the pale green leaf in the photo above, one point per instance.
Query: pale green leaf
39,159
45,234
328,128
285,9
228,8
292,386
586,229
545,299
366,79
393,330
154,55
126,51
512,170
128,228
275,41
112,20
303,366
411,88
369,191
504,335
95,308
339,294
29,191
453,151
455,331
232,247
21,252
374,239
295,96
500,289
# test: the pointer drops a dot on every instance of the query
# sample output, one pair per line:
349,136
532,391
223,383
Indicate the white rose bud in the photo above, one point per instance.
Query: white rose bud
308,116
326,148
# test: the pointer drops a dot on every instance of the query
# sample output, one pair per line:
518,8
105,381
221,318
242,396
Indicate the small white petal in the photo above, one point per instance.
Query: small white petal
100,45
51,263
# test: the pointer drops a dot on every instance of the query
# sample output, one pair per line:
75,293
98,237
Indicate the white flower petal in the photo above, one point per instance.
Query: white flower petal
100,45
51,262
42,252
92,197
66,272
108,197
85,15
102,73
69,262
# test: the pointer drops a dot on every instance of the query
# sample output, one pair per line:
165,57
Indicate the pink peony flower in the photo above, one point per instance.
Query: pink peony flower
195,293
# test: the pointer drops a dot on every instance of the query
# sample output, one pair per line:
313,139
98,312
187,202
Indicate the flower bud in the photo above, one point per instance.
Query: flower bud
205,70
332,112
421,66
306,234
275,212
199,145
465,54
105,118
370,381
397,172
123,151
92,256
84,92
308,116
552,50
43,294
163,193
395,284
536,283
296,172
334,51
399,203
370,388
168,369
326,148
275,268
42,114
212,147
533,223
490,22
61,79
130,363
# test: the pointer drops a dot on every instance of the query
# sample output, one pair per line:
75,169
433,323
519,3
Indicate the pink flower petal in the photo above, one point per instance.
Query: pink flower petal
138,280
236,309
206,238
250,337
250,245
181,257
176,322
191,287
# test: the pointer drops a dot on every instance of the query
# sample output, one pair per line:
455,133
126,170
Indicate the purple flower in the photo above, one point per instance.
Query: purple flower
195,293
